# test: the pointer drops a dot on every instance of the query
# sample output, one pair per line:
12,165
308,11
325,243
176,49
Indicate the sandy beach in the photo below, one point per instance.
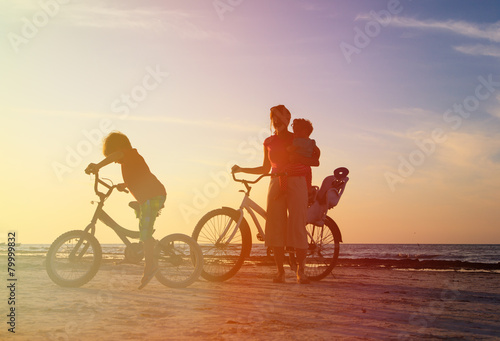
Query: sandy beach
355,303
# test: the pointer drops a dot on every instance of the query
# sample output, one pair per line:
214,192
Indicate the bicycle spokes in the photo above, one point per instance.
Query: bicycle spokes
323,250
77,253
180,260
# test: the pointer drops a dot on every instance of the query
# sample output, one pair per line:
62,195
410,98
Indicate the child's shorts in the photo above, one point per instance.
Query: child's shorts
147,215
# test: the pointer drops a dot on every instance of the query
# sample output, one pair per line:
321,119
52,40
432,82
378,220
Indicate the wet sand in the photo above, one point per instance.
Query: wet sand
357,302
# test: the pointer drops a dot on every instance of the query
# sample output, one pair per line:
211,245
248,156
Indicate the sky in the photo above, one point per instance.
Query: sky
405,94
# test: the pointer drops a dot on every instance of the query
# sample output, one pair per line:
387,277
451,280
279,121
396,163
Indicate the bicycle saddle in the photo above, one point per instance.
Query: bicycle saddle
135,205
137,208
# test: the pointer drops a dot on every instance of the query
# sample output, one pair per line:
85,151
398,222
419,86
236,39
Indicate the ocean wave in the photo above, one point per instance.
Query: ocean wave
418,264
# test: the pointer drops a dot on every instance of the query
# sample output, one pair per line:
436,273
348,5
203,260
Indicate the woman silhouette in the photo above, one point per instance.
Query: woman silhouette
286,212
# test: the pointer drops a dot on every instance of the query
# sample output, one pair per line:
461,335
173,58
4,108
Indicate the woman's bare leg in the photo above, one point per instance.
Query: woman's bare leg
301,263
279,259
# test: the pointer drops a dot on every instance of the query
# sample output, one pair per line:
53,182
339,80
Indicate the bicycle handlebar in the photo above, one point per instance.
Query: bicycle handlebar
251,181
122,190
110,188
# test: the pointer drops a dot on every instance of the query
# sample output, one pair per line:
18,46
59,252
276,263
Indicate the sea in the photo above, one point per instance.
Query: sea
488,254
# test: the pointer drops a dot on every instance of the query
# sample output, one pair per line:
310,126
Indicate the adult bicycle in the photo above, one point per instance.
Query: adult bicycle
74,257
225,238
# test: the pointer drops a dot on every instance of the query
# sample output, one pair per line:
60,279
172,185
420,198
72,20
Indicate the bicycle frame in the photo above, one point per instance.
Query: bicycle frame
252,207
74,257
105,218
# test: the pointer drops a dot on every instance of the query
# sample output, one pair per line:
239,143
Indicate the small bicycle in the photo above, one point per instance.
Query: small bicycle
225,238
74,257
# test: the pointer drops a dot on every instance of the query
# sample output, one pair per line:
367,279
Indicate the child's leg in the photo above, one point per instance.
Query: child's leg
149,261
147,216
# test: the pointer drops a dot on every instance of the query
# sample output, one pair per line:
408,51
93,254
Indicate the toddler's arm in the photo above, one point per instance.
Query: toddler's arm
309,161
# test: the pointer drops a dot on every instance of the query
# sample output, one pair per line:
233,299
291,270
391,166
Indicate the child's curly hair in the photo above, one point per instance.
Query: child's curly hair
114,142
302,126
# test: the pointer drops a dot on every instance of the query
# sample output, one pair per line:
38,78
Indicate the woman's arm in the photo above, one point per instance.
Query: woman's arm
264,169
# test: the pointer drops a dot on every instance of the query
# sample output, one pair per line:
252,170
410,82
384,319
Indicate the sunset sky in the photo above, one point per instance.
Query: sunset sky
406,94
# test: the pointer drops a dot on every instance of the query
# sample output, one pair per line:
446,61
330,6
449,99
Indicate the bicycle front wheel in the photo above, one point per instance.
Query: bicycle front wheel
180,260
323,251
73,259
224,245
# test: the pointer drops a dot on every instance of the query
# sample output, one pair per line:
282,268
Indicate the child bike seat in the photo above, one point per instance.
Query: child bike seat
336,181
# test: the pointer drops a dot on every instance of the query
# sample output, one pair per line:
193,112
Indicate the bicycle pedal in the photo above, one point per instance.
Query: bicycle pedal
260,237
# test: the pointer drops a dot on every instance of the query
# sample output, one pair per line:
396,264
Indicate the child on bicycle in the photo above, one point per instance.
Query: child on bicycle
144,186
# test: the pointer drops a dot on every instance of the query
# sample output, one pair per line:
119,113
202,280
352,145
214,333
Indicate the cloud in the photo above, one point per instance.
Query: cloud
404,125
121,15
471,159
200,123
464,166
479,50
215,124
106,17
56,113
101,16
413,112
489,32
311,7
494,109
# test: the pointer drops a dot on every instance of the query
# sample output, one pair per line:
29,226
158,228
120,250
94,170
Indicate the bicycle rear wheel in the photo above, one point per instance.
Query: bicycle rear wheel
73,259
180,260
223,251
323,251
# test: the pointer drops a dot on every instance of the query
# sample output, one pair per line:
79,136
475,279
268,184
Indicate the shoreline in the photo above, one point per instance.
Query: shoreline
405,263
425,256
419,264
